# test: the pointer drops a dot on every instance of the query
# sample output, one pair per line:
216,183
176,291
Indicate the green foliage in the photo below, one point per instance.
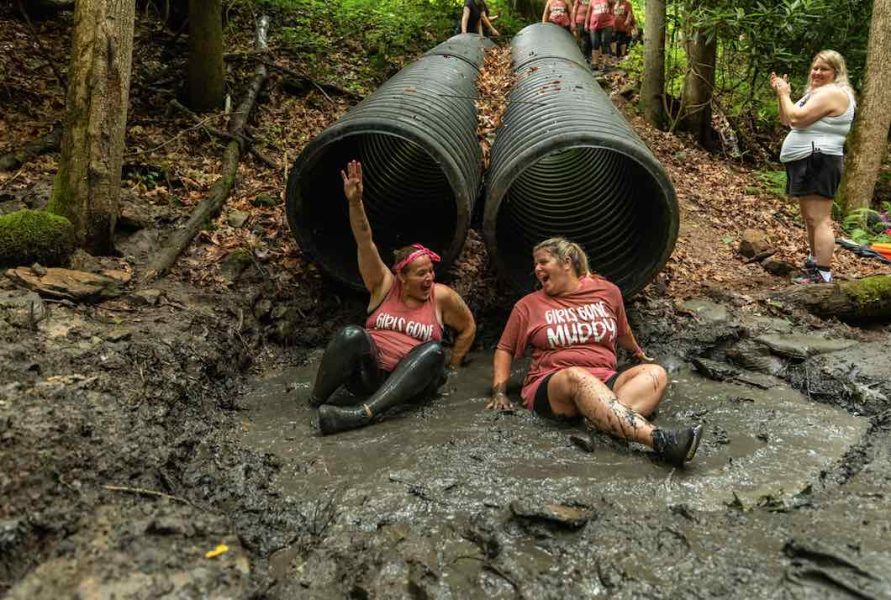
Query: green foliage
28,236
867,226
775,181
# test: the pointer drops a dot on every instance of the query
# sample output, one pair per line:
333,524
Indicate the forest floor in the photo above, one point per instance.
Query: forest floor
138,458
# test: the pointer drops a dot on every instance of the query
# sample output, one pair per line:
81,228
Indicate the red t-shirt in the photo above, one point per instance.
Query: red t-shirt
581,11
575,330
600,15
396,328
559,13
624,16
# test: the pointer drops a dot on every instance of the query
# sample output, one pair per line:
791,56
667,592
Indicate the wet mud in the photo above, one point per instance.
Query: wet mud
166,450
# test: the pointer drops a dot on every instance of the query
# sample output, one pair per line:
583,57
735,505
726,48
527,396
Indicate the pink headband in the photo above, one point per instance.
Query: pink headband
418,253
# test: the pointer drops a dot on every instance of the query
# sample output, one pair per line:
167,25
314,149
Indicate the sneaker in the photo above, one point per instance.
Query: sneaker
810,263
677,447
812,276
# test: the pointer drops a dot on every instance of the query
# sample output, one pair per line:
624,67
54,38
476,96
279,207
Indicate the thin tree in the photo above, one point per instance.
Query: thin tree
699,85
652,88
87,185
870,138
206,79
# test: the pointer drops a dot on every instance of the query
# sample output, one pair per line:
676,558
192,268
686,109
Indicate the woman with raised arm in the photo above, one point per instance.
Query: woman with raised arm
813,153
398,356
573,324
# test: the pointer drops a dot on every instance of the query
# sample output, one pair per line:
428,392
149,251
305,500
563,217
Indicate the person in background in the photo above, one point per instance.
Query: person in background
573,324
625,24
600,23
486,20
471,17
813,152
558,13
580,26
398,356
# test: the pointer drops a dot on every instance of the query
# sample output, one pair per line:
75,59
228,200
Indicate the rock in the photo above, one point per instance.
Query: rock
755,357
67,284
266,200
715,370
235,263
572,517
39,269
237,218
122,277
169,525
119,335
22,309
262,308
708,311
753,242
779,267
149,297
802,346
28,236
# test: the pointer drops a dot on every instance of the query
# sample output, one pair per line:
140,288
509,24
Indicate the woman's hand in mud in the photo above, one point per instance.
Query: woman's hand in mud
643,357
352,181
499,401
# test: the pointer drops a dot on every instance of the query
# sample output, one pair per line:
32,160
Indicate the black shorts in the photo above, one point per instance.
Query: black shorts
542,405
818,174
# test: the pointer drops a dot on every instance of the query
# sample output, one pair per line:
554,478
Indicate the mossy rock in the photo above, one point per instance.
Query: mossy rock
29,236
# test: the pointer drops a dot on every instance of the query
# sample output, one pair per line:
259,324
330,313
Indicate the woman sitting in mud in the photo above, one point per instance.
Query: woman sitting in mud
573,325
398,355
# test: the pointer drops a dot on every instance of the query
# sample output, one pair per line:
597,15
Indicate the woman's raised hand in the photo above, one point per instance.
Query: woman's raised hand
352,181
779,84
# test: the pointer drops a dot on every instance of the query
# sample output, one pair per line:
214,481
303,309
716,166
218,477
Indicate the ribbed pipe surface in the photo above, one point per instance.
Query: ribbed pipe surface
566,162
416,139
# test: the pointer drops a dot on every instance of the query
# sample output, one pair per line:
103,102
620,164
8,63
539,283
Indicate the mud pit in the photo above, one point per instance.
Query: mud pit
425,479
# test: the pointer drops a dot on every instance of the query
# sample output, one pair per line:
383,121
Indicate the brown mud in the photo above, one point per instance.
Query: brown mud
157,445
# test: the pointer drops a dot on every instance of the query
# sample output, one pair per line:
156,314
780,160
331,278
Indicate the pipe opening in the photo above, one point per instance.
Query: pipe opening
599,197
407,197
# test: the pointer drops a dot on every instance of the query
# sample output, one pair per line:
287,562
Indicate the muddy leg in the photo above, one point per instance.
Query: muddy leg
350,358
574,391
641,388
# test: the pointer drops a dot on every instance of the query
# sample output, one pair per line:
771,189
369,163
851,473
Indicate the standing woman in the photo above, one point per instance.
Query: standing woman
580,26
573,325
625,23
813,153
558,13
600,23
398,356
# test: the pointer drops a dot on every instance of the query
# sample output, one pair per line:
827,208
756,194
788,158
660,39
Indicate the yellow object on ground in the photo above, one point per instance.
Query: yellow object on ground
218,551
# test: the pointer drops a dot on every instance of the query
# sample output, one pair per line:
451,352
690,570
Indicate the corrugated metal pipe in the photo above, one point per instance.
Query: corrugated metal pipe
416,138
565,162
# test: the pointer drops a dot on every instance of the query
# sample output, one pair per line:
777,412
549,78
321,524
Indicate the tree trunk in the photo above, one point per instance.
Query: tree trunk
699,85
855,301
652,89
529,10
206,78
869,140
88,182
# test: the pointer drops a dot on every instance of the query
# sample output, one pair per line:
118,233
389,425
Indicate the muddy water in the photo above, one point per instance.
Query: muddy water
759,445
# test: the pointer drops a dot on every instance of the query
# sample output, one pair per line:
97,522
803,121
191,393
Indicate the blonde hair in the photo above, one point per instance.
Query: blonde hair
564,250
837,62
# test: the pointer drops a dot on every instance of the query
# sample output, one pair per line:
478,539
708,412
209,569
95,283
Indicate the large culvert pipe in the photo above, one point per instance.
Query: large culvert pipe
416,138
565,162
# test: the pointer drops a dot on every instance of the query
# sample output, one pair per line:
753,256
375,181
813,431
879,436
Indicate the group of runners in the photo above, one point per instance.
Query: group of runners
604,27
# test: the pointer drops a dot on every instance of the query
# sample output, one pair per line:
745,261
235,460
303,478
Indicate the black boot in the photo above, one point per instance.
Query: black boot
412,378
677,446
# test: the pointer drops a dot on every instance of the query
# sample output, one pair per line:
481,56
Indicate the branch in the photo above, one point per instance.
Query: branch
219,191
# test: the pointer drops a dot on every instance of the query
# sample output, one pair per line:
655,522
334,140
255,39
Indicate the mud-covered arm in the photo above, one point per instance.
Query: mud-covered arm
629,343
501,363
456,315
375,274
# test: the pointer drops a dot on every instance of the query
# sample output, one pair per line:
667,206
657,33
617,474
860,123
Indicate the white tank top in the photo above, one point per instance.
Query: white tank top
826,135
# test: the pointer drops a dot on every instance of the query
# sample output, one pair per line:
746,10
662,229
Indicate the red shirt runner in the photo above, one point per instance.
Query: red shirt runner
576,330
396,328
600,15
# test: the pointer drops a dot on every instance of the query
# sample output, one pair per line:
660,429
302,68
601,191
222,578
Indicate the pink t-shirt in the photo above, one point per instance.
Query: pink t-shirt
581,11
576,330
559,13
396,328
600,15
624,16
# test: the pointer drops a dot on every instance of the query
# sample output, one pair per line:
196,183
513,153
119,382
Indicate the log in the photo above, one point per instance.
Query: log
48,142
867,299
66,284
212,204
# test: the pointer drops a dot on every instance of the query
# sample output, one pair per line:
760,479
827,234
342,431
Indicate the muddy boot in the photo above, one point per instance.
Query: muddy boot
412,378
677,446
342,418
583,441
